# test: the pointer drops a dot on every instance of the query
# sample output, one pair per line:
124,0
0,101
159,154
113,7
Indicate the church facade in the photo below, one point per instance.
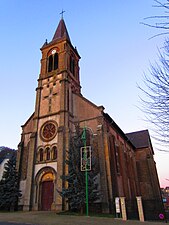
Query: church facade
126,164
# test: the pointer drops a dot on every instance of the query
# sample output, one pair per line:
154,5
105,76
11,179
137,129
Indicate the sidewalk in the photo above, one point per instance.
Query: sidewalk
51,218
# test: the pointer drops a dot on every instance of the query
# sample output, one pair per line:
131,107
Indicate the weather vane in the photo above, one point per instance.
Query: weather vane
62,13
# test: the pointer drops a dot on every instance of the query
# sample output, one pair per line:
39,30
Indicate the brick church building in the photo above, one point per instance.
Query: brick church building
126,164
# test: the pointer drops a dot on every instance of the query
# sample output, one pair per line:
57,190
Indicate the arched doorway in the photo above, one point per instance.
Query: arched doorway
47,191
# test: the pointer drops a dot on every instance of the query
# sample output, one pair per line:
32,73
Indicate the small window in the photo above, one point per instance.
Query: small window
47,153
54,152
50,91
72,65
41,155
53,62
50,108
50,63
117,158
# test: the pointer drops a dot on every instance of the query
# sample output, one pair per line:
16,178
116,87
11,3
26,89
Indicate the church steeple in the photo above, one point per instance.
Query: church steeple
60,58
61,32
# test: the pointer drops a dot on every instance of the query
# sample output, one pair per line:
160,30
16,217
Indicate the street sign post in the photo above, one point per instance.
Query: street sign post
86,172
85,153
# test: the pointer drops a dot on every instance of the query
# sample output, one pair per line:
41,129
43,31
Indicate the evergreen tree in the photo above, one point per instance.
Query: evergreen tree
9,191
75,191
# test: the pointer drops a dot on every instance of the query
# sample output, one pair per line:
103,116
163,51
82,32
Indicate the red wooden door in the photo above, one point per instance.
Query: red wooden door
47,195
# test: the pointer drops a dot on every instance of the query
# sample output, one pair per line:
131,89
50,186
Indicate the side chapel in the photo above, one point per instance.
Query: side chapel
126,164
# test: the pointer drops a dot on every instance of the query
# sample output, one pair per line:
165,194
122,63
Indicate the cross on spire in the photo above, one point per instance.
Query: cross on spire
62,13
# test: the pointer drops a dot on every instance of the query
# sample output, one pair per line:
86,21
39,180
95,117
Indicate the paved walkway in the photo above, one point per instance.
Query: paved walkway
51,218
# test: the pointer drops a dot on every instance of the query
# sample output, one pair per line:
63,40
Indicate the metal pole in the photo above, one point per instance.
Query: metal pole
86,173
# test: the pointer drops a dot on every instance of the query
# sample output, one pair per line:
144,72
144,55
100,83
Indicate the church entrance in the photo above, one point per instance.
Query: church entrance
47,192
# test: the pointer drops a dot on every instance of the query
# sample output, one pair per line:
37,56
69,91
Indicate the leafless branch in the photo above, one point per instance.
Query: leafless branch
162,20
155,101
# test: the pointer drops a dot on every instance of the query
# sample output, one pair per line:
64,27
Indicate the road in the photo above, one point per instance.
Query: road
15,223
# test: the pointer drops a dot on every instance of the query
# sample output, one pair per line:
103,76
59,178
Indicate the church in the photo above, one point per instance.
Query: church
126,164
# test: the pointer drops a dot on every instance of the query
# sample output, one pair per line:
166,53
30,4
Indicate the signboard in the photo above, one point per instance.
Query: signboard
117,204
85,153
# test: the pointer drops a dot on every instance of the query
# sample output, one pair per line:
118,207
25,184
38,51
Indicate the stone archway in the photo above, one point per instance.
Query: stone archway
45,188
47,192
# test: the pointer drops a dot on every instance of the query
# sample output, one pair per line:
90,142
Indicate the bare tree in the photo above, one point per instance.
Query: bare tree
156,82
159,21
156,99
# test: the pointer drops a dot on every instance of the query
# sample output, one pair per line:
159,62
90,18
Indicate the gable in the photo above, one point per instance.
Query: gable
85,109
28,126
140,139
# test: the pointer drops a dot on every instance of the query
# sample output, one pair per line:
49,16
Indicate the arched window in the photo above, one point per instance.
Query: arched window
41,154
50,63
53,62
47,153
72,65
54,152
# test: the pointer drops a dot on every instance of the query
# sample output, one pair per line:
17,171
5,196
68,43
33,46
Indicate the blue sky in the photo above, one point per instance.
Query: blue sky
114,48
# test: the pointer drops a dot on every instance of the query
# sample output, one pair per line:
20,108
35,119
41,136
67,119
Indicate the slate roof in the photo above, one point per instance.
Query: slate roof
61,32
140,139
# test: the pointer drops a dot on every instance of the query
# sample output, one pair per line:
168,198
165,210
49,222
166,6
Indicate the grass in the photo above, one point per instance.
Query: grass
66,218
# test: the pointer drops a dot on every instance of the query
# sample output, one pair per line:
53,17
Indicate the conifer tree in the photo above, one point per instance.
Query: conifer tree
75,192
9,191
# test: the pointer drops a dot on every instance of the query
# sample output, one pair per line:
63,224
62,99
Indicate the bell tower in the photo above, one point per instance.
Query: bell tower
60,56
60,61
45,136
58,80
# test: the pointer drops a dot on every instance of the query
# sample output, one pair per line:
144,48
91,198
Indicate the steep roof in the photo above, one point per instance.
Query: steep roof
140,139
61,32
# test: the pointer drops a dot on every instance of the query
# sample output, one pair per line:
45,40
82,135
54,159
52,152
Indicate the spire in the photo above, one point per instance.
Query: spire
61,32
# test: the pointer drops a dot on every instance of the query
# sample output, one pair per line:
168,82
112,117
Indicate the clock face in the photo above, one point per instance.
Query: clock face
48,131
53,51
